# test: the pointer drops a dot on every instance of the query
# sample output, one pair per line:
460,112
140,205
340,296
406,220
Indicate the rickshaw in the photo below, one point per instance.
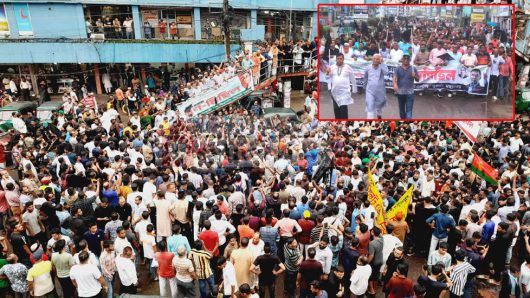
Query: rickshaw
6,112
46,109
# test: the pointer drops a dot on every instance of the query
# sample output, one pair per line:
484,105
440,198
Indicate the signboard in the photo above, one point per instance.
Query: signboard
4,25
214,99
453,77
150,16
477,17
183,19
23,19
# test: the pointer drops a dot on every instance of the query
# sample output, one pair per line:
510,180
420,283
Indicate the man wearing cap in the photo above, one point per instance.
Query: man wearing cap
403,82
307,226
40,282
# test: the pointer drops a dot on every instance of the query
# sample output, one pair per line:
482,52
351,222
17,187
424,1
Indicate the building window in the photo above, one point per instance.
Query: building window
109,22
212,27
277,24
167,23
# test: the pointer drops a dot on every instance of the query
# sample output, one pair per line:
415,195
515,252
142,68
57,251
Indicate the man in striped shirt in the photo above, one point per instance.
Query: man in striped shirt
293,259
201,262
459,275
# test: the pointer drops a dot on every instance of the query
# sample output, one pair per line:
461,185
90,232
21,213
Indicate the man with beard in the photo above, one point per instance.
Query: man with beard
343,84
499,248
374,84
335,285
394,260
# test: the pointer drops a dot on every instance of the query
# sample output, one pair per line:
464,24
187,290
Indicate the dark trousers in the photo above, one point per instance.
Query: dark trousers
289,284
186,230
271,287
67,286
152,216
128,289
406,102
494,85
25,93
98,295
340,112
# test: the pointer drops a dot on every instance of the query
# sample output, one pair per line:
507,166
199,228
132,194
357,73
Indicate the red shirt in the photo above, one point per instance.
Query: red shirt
165,267
364,241
307,225
223,208
245,231
399,287
264,223
210,240
44,258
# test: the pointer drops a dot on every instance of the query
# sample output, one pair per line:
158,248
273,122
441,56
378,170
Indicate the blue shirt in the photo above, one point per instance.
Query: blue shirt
94,241
173,243
112,197
443,221
404,46
269,235
487,231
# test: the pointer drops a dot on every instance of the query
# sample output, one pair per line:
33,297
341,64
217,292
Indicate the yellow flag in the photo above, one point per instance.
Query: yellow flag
375,199
401,205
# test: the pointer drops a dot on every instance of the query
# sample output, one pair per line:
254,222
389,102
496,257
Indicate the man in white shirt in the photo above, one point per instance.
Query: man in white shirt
496,61
343,84
525,276
396,54
18,124
121,241
229,277
516,142
219,225
469,59
428,186
323,254
360,276
346,51
127,271
87,278
390,242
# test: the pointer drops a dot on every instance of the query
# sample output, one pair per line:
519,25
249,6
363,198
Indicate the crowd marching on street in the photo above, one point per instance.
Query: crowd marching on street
100,202
413,43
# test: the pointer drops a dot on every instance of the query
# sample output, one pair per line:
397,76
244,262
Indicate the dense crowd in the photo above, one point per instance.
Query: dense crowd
105,203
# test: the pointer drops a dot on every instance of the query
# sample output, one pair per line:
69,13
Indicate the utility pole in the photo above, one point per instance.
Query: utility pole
226,27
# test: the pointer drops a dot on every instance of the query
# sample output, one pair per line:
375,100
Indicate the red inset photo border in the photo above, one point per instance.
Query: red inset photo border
513,57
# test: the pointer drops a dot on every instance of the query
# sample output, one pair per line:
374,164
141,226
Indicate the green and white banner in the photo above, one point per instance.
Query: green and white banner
214,99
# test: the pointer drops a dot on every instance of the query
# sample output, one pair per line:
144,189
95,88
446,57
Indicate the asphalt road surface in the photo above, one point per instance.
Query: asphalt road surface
427,106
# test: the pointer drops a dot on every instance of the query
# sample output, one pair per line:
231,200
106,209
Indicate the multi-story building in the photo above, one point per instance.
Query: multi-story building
91,33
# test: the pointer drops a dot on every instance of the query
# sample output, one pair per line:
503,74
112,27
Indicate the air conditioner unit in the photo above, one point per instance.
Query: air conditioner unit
97,36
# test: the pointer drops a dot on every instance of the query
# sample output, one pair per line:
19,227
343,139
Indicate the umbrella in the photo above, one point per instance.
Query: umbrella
446,57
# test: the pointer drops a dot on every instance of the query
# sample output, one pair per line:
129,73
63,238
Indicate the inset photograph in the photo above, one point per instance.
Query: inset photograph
416,62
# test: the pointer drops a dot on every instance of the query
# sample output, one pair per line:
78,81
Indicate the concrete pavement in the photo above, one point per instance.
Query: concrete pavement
428,106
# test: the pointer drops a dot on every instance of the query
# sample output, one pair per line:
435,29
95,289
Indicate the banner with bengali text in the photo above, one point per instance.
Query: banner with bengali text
452,77
211,100
470,128
375,199
401,206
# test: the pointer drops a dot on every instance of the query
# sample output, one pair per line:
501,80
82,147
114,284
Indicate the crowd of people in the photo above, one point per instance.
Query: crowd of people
104,202
119,27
